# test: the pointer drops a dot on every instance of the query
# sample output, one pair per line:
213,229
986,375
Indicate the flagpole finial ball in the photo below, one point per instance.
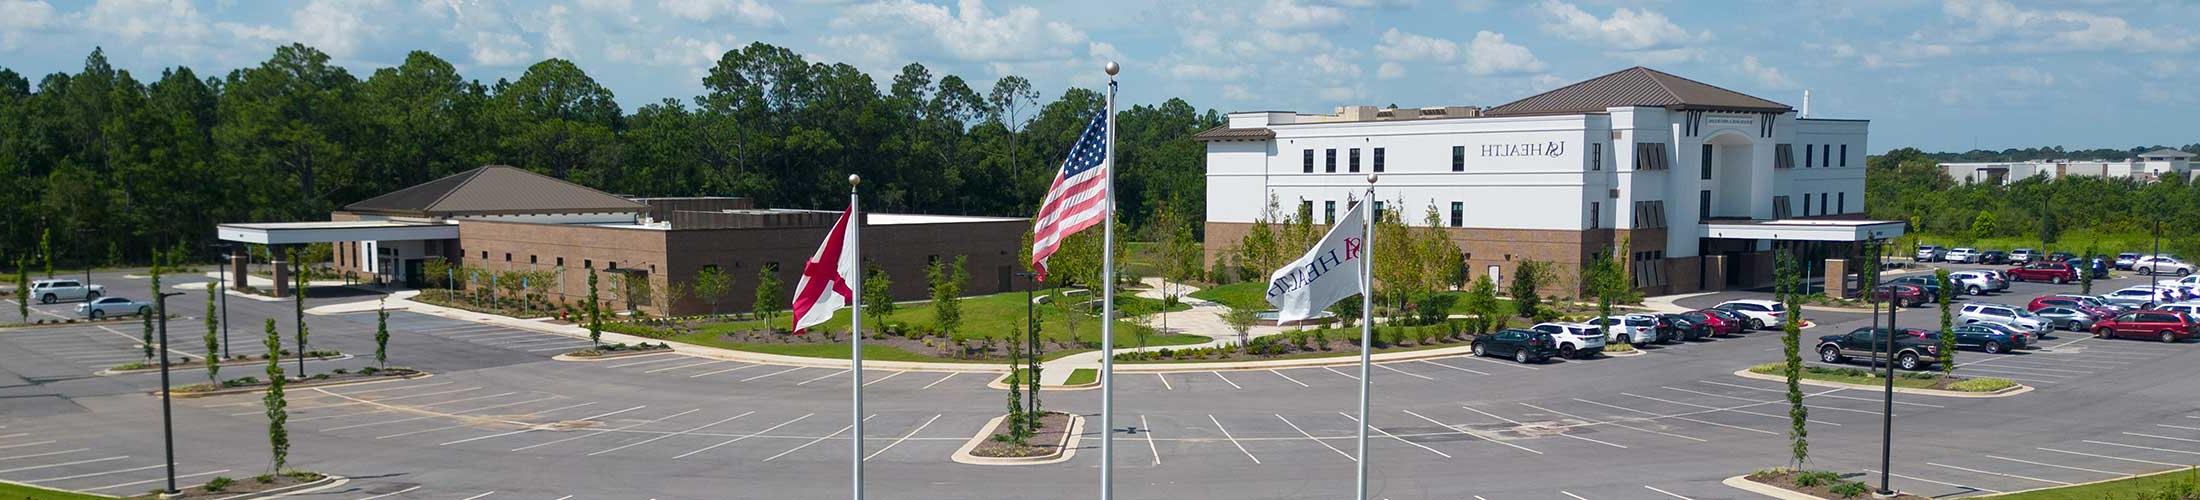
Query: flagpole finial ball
854,179
1371,178
1113,68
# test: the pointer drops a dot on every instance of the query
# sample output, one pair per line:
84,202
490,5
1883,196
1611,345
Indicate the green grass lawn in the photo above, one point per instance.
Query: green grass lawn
2182,483
1080,376
1250,294
12,491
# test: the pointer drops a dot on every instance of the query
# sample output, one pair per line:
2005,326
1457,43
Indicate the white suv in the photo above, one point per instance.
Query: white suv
1963,255
2011,316
1575,340
1634,329
2187,287
2157,264
54,290
1975,282
1761,313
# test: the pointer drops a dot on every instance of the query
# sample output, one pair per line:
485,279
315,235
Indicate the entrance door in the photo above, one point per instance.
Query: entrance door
412,274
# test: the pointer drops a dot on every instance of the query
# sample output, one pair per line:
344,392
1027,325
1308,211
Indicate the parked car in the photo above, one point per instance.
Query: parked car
1996,257
1929,283
2137,297
2086,303
50,291
1757,313
1899,294
1986,337
1712,324
2188,287
101,308
2159,265
2022,255
1525,346
1729,322
1966,255
2124,260
1682,327
2051,272
1976,282
1575,340
2021,319
2166,326
2097,267
2061,256
1913,350
1930,253
2188,308
2066,318
1632,329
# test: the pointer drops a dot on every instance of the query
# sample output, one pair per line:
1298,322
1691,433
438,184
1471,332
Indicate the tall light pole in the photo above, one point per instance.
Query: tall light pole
167,417
221,290
1886,413
84,235
1031,337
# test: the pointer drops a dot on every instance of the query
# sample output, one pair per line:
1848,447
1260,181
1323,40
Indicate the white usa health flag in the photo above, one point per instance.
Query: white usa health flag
1326,274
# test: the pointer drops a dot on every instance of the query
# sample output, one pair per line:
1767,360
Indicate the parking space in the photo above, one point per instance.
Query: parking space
76,465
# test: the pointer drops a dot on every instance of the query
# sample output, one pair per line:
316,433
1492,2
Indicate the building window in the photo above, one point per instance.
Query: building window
1331,167
484,255
1458,214
1825,155
1378,160
1822,205
1780,207
1458,158
1783,156
1809,150
1650,156
1596,156
1329,212
1703,205
507,256
613,266
1308,157
1841,203
530,259
1649,268
1649,214
1706,162
1378,210
1596,215
561,262
591,264
1844,155
1806,204
1355,161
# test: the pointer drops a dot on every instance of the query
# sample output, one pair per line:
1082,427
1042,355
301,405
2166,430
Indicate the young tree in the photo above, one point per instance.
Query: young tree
1482,302
45,250
947,284
1528,278
711,285
1791,336
671,293
878,296
1241,320
1142,323
1983,226
1019,427
1947,323
595,311
1604,278
2085,278
145,339
147,319
22,289
382,334
299,305
769,296
212,338
278,438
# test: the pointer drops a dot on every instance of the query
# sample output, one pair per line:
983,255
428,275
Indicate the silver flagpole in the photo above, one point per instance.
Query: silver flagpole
1367,330
1107,307
854,243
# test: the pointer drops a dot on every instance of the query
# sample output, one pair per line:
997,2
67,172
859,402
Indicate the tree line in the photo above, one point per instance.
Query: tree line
113,165
2068,213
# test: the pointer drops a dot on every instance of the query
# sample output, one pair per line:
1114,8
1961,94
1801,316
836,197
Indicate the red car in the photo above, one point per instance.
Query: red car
2092,306
1903,295
1723,322
2056,272
2166,326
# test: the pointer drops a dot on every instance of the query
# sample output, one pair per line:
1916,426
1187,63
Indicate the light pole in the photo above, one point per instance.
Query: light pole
84,235
1886,413
167,417
221,291
1031,336
2155,268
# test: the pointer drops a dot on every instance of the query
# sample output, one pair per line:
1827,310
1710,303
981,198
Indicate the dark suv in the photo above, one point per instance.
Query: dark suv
1525,346
1913,350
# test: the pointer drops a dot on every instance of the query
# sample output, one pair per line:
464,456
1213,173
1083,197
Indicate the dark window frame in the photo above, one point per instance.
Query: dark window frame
1308,158
1378,160
1458,158
1331,166
1353,161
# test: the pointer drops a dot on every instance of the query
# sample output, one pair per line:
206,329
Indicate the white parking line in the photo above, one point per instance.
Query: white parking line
2150,448
883,379
94,474
1309,437
1562,434
2082,469
1499,363
942,379
1718,409
1587,421
558,347
370,391
20,445
758,377
1477,372
744,436
715,372
1830,396
475,497
532,429
1407,373
2002,474
528,342
2189,428
1233,440
1667,493
2162,437
1149,440
822,377
63,464
2027,378
1343,374
1288,377
1717,395
1470,433
658,360
2133,460
1571,494
391,494
46,454
1349,416
662,436
1942,483
596,432
155,480
1164,382
904,437
1226,380
1705,422
843,428
360,402
2006,366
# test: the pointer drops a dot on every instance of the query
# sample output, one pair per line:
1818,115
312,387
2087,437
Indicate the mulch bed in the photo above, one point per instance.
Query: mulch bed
1052,433
1785,479
617,350
295,383
244,485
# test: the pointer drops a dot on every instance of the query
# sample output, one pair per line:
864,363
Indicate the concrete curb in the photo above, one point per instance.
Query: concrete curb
607,357
2011,391
1743,483
132,319
1068,446
1625,354
1339,360
326,482
293,385
202,366
1001,383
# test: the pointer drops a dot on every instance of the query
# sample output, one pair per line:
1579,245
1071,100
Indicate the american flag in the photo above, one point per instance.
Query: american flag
1078,198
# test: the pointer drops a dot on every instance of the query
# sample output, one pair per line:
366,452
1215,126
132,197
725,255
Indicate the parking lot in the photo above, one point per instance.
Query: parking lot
501,420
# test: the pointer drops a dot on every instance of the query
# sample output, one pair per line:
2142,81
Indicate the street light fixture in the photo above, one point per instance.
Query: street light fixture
167,416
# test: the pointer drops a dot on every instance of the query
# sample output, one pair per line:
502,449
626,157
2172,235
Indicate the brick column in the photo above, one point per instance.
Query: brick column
1714,272
239,267
282,278
1837,278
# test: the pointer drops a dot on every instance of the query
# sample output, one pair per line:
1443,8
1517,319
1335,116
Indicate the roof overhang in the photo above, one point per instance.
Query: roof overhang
292,233
1803,230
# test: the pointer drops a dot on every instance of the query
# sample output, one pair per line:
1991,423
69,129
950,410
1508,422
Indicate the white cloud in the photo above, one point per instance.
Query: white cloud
1487,54
1390,70
1292,15
746,11
1342,93
969,32
1402,46
1626,29
1766,76
1207,72
1236,93
499,49
24,17
2029,76
1490,54
1999,24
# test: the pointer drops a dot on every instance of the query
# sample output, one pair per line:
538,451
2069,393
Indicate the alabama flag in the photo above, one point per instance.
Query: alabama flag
824,286
1326,274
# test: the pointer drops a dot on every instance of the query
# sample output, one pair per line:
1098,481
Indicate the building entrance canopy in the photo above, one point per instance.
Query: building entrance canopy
1803,230
292,233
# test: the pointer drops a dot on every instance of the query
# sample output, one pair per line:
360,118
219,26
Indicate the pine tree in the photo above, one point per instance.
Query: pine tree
1018,426
1947,324
212,338
23,289
145,339
595,311
298,275
1791,334
45,250
382,335
278,438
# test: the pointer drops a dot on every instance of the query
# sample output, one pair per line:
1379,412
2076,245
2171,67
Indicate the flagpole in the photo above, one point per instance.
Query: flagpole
855,334
1107,306
1367,332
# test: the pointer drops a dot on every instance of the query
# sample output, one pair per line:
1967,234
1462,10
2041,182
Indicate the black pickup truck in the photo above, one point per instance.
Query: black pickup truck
1913,350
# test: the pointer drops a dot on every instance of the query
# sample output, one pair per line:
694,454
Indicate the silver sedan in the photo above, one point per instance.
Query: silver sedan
112,306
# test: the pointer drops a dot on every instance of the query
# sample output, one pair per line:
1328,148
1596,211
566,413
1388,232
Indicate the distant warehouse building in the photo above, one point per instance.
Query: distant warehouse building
2148,166
502,218
1700,181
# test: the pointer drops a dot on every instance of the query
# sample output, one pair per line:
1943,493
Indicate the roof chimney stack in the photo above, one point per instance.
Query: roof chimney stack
1806,105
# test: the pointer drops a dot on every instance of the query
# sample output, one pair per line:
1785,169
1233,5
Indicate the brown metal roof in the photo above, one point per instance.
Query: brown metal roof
1226,133
1636,86
495,190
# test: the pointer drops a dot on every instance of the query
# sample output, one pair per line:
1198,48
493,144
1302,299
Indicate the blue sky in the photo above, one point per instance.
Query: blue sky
1946,75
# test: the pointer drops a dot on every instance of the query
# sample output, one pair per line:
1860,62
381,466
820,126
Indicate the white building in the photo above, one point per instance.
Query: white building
1698,179
2148,166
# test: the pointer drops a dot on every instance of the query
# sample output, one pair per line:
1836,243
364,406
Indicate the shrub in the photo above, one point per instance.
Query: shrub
1813,479
264,478
218,483
1983,385
1849,489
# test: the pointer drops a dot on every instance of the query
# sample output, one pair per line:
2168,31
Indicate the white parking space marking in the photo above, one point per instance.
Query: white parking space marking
2029,368
1718,409
371,391
1562,434
2002,474
1164,382
20,445
654,358
1820,395
2042,464
1470,433
904,437
94,474
1587,421
476,497
2025,378
1568,493
558,347
883,379
1942,483
942,379
2178,427
1309,437
662,436
1407,373
1233,439
2162,437
391,494
760,377
822,377
1226,380
1676,417
737,439
1736,398
1288,377
723,370
2133,460
1349,416
598,432
46,454
843,428
1149,440
1476,372
2149,448
532,429
155,480
63,464
1342,374
1667,493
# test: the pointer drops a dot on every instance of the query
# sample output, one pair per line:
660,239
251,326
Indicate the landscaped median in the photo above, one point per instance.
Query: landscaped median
1791,484
615,350
220,487
260,360
338,377
1079,379
1920,383
1055,441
